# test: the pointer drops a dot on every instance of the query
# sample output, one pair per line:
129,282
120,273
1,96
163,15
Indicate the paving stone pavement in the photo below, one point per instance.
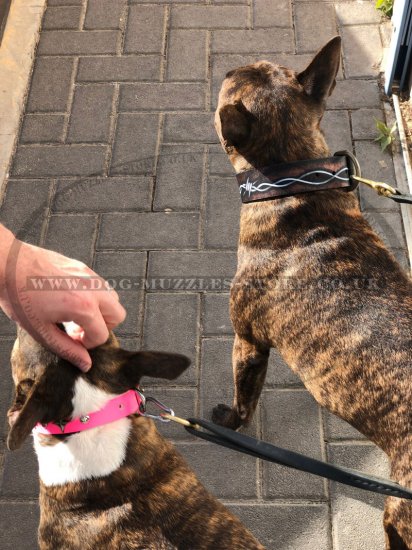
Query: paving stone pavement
118,165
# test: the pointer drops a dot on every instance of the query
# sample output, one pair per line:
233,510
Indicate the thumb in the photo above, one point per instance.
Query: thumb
67,348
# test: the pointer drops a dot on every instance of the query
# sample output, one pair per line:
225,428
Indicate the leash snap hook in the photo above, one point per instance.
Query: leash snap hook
158,404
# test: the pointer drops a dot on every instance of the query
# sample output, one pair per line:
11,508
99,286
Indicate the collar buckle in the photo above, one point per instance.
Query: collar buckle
353,168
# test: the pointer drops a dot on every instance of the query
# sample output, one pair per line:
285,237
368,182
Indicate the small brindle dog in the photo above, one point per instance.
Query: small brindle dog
351,345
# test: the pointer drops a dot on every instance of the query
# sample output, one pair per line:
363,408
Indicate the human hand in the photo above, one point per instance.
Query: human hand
30,296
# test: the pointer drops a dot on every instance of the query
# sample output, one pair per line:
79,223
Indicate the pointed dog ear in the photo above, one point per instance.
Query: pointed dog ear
319,78
155,364
236,124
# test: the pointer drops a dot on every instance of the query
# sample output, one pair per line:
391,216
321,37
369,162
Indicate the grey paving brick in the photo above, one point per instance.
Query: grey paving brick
388,225
352,509
135,144
202,264
179,177
356,13
386,29
18,522
224,473
378,166
186,55
125,272
219,164
50,85
142,18
215,315
91,111
77,42
24,208
337,429
13,483
169,96
287,526
149,230
222,213
364,123
128,343
253,41
104,14
402,258
362,50
181,400
7,385
291,420
171,322
7,327
308,17
103,194
354,94
42,128
65,2
65,17
270,14
216,384
279,374
189,127
118,69
209,17
72,236
61,160
336,126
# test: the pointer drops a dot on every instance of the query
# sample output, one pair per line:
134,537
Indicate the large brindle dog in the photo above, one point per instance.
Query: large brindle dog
351,345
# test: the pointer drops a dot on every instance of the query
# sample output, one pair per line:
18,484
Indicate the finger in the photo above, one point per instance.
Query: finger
112,311
95,330
64,346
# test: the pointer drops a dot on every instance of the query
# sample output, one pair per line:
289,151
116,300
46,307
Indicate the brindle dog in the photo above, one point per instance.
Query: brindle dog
120,486
351,345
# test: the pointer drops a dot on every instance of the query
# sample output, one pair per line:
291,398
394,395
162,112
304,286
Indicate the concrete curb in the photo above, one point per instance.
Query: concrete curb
16,61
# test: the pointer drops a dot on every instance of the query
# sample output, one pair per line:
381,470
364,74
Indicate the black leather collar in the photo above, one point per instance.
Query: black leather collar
304,176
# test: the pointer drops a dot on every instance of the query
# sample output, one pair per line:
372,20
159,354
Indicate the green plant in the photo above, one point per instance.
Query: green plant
386,135
385,6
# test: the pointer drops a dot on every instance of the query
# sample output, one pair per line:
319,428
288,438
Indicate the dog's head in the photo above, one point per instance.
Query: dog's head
44,383
267,113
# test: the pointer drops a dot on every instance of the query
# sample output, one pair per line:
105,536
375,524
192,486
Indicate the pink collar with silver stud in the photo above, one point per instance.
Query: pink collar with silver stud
130,402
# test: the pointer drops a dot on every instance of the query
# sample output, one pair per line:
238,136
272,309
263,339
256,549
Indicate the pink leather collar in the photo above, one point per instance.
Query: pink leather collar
130,402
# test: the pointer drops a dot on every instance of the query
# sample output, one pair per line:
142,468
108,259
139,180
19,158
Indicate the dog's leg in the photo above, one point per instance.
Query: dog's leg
250,363
395,521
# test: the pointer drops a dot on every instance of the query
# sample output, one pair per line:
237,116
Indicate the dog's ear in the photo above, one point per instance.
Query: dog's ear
236,124
156,364
319,78
49,399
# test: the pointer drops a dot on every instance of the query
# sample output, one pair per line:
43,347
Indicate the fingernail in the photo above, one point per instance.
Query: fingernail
84,367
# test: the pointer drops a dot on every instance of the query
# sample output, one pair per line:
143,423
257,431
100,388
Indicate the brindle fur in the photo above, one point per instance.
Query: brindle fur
351,344
153,501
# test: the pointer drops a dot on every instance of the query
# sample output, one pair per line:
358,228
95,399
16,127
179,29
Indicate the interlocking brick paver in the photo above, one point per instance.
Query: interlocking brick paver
287,526
42,128
179,177
50,86
65,17
62,160
209,17
307,16
364,123
270,14
91,110
189,127
135,144
357,13
362,49
338,429
72,235
187,59
219,164
103,194
104,14
215,315
211,264
354,94
163,333
184,404
279,374
149,230
222,213
248,41
65,2
142,18
6,380
168,96
23,532
336,126
12,483
388,225
77,42
291,420
119,69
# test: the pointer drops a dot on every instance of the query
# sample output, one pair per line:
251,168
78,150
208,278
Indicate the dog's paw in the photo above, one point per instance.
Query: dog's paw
226,416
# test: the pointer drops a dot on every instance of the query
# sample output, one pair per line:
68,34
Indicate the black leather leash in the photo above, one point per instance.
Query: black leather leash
342,171
260,449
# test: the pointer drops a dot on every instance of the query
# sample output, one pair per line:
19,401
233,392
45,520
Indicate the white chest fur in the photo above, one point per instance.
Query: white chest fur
93,453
